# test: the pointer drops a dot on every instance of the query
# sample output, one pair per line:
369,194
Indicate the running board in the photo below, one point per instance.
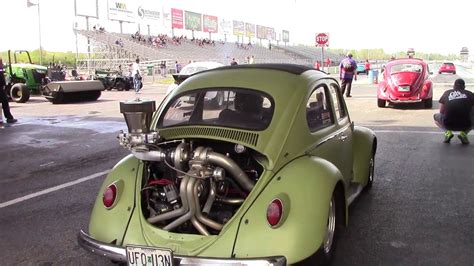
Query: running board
354,191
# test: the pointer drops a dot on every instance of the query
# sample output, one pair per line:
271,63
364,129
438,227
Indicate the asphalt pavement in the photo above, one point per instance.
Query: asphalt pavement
418,212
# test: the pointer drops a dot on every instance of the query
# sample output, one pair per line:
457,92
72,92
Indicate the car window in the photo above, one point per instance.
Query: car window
406,68
448,64
336,97
230,107
318,110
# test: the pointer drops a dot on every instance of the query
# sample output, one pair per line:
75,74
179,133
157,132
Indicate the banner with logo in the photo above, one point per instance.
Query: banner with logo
176,18
270,34
238,28
121,10
192,21
148,15
225,26
209,23
261,32
285,36
250,30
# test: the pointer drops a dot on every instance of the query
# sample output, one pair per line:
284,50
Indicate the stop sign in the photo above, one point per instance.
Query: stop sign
322,39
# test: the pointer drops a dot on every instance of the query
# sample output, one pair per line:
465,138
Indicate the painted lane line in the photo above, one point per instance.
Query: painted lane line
408,131
52,189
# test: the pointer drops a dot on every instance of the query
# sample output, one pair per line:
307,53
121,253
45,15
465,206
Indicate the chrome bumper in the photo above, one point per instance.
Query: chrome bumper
404,101
118,253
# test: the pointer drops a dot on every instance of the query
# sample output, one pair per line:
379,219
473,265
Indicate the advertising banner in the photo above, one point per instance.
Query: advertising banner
225,26
239,28
176,18
209,23
86,8
285,36
261,32
192,21
147,14
121,10
250,30
270,34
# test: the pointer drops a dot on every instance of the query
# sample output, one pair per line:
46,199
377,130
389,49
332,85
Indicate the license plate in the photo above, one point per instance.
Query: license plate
149,256
403,88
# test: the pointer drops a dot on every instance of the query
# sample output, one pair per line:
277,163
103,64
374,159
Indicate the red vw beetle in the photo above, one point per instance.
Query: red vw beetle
405,81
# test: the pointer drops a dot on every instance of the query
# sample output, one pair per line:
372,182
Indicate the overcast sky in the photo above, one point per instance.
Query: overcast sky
427,26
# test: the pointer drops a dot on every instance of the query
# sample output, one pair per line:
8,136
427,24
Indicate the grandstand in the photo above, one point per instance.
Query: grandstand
112,49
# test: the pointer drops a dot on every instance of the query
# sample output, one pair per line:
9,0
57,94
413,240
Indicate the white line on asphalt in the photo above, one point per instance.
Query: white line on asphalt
52,189
408,131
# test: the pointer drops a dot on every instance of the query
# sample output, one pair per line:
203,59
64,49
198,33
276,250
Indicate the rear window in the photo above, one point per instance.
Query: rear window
230,107
448,64
417,68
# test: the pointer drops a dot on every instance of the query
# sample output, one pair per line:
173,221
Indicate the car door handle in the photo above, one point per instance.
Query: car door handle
343,137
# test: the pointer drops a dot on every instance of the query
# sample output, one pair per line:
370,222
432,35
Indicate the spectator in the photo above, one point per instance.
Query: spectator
233,62
251,60
347,72
455,107
177,66
4,98
137,78
317,65
367,66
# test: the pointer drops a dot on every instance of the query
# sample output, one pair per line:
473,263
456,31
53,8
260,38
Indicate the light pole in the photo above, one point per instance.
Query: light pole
30,4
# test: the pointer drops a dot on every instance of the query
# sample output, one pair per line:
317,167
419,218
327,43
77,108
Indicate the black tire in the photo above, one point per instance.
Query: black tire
428,103
439,72
454,73
120,86
20,93
381,103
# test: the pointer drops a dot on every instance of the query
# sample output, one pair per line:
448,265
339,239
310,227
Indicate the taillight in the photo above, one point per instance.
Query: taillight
110,195
274,212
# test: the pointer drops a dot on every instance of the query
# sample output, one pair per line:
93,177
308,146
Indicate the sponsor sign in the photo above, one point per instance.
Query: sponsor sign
192,21
86,8
250,30
176,18
225,26
271,34
238,27
285,36
261,32
145,14
322,39
122,10
209,23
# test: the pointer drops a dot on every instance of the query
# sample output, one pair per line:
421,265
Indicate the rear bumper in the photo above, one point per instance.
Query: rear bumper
405,101
118,253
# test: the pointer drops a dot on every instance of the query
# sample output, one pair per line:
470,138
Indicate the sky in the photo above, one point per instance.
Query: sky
395,25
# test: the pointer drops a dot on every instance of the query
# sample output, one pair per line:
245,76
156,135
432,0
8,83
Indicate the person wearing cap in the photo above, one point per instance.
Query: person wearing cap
455,107
347,72
3,96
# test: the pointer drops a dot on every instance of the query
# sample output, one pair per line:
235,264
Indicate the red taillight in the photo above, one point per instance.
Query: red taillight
110,194
274,212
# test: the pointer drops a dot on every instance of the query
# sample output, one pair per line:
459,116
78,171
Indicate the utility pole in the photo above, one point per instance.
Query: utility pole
30,4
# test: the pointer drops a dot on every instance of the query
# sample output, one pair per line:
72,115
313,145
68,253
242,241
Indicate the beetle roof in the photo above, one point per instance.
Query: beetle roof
290,68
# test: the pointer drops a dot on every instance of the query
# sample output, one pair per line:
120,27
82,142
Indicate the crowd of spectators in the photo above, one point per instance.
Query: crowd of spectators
244,46
203,42
98,28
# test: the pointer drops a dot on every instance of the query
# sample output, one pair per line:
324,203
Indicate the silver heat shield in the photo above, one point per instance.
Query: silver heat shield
138,115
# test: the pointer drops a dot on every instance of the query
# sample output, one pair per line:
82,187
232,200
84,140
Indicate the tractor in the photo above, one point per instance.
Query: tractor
23,79
26,79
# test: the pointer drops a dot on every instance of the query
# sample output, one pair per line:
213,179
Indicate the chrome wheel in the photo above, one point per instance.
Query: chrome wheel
329,239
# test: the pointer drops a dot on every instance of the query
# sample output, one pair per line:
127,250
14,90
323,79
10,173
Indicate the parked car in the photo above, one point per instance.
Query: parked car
447,68
266,179
190,69
405,81
361,68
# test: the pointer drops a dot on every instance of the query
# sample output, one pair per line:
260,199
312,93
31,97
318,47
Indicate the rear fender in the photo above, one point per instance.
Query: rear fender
364,144
109,225
305,187
381,90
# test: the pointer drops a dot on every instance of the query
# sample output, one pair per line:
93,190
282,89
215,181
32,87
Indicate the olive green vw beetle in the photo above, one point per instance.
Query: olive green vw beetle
263,178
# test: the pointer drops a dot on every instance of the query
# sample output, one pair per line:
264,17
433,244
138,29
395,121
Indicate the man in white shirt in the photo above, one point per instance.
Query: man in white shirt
137,78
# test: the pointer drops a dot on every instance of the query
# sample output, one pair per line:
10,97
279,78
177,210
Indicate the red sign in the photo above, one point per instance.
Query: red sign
176,18
210,23
322,39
